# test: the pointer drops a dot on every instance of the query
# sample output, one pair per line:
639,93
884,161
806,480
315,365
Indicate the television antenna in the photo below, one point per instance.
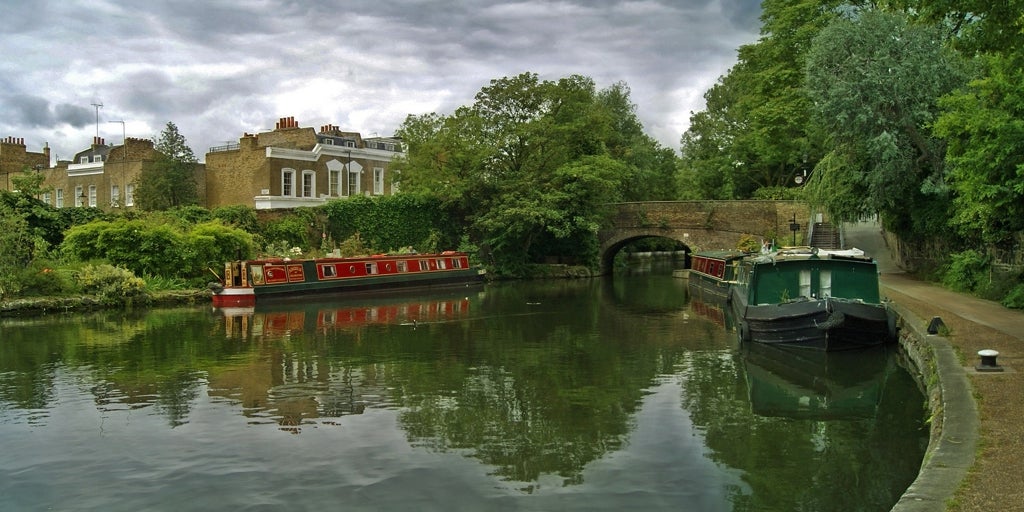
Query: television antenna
97,106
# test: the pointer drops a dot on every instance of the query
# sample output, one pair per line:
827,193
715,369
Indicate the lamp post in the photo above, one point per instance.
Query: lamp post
124,160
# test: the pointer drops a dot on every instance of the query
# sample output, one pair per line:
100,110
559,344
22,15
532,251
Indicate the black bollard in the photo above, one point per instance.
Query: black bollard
988,361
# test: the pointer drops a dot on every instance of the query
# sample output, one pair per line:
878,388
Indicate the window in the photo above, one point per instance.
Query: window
288,182
129,195
334,168
355,172
334,183
825,283
378,180
46,197
308,184
115,195
805,283
92,196
97,158
84,159
60,198
78,195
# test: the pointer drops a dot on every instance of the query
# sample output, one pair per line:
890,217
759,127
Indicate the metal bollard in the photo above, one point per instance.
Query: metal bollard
988,361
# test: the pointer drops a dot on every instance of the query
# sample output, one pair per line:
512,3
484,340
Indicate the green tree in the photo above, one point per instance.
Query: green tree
983,125
170,180
755,131
875,80
527,166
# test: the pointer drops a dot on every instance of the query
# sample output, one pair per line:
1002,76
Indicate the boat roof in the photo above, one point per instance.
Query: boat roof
804,253
723,254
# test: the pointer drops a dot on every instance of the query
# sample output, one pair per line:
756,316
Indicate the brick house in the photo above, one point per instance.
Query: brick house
15,158
293,166
100,176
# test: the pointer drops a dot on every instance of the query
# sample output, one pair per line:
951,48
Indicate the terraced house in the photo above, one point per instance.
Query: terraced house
293,166
100,176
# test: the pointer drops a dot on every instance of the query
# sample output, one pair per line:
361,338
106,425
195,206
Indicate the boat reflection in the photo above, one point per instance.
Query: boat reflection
324,316
818,385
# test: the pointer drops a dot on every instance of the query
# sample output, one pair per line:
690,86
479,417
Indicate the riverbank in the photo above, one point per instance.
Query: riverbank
992,480
32,306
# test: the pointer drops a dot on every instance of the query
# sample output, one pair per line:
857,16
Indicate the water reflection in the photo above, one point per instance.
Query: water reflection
622,392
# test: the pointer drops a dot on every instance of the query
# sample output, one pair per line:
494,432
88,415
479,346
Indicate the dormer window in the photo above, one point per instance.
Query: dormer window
83,160
97,158
327,142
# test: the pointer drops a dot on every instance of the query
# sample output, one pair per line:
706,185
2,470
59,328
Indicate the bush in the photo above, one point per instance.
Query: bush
966,271
112,285
148,248
1015,299
41,279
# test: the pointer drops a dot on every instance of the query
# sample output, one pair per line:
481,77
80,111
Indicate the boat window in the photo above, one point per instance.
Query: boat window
805,283
402,267
371,268
329,271
256,273
456,263
441,264
825,283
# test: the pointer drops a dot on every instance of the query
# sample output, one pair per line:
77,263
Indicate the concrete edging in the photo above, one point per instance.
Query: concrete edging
955,422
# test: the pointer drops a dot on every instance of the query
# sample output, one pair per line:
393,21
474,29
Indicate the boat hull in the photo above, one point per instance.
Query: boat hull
708,288
823,324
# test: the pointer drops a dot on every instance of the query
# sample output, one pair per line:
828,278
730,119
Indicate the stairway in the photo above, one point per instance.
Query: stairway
825,236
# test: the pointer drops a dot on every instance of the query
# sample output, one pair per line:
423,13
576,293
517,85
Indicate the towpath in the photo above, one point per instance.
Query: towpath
995,480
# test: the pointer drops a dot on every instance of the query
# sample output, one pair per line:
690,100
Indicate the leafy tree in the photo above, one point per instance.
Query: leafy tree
170,180
755,130
523,164
875,80
984,127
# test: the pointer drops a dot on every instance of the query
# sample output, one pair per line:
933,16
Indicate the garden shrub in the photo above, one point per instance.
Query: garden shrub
112,285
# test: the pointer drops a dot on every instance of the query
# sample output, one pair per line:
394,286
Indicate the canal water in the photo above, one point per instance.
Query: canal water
605,394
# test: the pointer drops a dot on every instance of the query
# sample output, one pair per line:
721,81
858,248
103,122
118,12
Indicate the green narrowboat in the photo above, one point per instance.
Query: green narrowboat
810,298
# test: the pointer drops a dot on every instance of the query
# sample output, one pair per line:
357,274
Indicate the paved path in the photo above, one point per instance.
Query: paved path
994,482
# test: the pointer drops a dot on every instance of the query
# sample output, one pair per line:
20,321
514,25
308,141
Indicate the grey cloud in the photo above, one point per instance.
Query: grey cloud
37,112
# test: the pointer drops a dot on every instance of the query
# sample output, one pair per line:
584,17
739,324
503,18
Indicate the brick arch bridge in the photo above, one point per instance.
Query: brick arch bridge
700,225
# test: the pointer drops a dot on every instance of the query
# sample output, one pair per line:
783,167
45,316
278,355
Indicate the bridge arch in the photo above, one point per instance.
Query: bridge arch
699,225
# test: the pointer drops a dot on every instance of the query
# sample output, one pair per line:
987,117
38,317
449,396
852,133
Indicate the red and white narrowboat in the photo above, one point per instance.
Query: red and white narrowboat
245,282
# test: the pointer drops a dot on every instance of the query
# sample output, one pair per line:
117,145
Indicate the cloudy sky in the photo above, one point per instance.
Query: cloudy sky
218,68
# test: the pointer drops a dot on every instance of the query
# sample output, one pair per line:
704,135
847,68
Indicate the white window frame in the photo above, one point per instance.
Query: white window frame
97,158
288,182
92,196
334,169
115,195
83,159
378,181
354,187
59,200
308,184
78,196
129,195
46,198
